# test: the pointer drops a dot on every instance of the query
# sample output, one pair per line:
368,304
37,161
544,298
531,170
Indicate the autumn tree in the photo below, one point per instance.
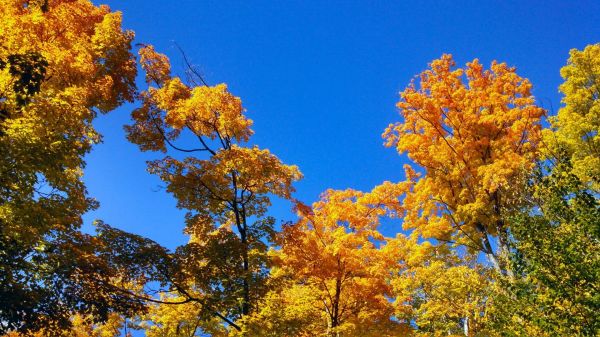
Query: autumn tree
338,275
575,132
225,185
61,64
474,135
337,254
442,291
174,308
557,238
556,260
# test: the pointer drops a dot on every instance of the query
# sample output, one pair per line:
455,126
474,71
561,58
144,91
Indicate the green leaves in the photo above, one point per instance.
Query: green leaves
556,239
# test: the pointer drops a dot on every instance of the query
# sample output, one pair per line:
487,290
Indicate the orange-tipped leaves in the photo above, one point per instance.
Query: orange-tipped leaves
474,132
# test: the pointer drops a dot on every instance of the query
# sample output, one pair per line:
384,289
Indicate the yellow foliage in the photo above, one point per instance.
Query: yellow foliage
62,62
82,327
181,320
89,69
335,249
577,125
475,133
437,289
289,311
206,111
227,191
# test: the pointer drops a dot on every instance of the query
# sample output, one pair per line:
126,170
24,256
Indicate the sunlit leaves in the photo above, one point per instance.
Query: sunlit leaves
475,134
60,63
335,250
441,291
86,66
557,239
225,185
577,125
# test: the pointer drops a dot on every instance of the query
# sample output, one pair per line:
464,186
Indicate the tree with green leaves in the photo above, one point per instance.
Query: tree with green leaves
556,240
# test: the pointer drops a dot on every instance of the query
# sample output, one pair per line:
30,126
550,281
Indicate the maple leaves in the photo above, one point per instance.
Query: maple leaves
363,283
24,73
227,192
577,125
475,141
206,111
440,290
75,70
61,63
556,240
334,252
83,326
482,169
475,136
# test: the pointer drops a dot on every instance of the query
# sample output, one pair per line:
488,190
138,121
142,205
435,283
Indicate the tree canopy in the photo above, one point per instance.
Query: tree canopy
495,227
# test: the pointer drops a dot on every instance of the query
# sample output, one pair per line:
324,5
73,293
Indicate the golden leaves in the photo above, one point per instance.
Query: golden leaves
210,111
577,125
336,249
156,65
206,185
89,68
227,188
232,175
436,288
474,132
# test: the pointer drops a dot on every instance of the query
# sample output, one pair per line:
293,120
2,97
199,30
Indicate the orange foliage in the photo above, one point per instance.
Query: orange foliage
474,133
336,249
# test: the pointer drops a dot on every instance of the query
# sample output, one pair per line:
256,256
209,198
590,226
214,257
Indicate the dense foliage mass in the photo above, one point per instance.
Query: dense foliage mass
498,218
61,64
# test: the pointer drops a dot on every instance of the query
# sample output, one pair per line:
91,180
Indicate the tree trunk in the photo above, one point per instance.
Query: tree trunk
488,251
240,221
335,319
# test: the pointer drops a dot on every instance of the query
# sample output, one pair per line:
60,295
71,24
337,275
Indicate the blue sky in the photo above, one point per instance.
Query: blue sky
320,79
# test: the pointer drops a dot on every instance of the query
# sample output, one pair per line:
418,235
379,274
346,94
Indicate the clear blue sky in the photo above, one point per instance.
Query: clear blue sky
320,79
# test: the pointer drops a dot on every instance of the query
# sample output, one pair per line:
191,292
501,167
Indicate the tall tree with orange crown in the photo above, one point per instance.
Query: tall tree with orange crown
474,134
337,254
